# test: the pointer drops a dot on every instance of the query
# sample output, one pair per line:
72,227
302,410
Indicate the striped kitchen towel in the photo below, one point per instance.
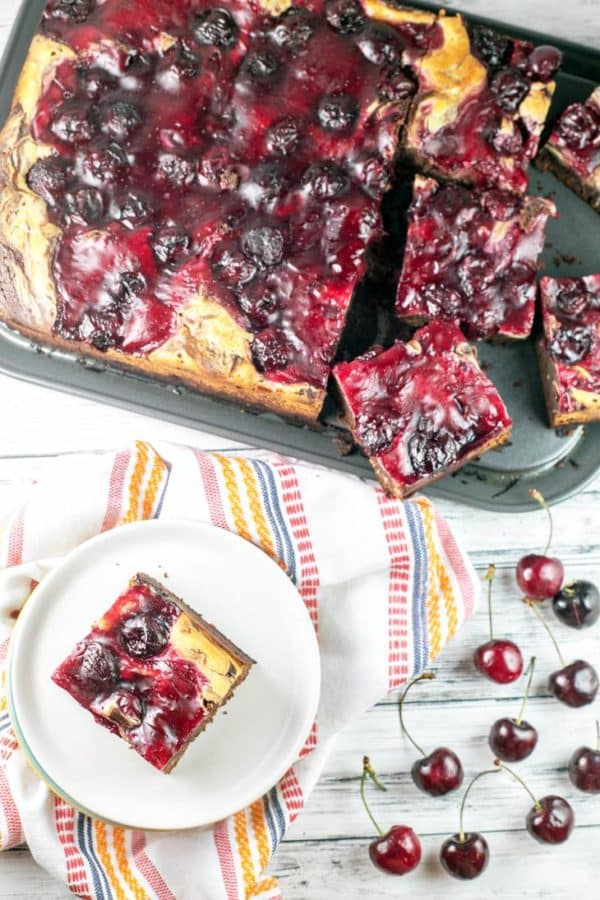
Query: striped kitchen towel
384,582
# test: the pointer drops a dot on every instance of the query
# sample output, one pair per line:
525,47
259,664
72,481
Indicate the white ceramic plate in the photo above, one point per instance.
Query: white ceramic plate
244,752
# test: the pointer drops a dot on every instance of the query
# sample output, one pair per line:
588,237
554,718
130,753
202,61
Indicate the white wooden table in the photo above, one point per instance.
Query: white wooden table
325,853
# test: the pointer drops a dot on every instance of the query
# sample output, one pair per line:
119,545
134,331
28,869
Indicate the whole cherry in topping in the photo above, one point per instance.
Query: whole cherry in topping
514,739
264,244
174,171
345,16
178,64
294,29
571,344
101,166
431,450
544,61
132,209
439,772
268,183
572,299
575,684
499,660
550,820
72,10
510,87
584,767
258,305
577,604
376,431
84,205
47,178
269,350
168,245
326,180
119,119
538,575
98,668
261,64
73,125
380,44
578,127
398,851
144,634
215,27
489,46
465,855
337,112
283,136
396,83
231,266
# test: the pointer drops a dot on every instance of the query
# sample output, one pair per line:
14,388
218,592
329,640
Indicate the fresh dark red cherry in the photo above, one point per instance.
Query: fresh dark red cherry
584,767
514,739
577,604
465,858
575,684
540,576
550,820
498,659
465,855
398,851
439,772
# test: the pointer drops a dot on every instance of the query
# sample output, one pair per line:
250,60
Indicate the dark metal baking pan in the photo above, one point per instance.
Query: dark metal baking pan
557,465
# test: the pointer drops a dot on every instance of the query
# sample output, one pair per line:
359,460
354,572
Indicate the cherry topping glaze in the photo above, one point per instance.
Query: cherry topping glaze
247,155
457,268
576,135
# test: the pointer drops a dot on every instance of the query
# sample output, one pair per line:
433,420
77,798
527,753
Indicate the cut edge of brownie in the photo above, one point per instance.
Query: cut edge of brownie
218,637
548,161
549,376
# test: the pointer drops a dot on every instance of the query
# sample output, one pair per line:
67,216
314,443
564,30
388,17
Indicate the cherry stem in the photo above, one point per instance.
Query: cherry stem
369,772
518,778
532,605
424,676
540,499
489,577
526,694
461,833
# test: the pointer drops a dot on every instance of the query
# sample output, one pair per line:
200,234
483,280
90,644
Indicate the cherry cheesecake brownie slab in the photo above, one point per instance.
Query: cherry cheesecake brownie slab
153,672
572,151
472,257
569,351
421,409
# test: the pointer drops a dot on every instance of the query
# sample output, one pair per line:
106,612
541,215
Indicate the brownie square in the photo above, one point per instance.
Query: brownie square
482,104
472,257
421,409
572,151
152,671
569,351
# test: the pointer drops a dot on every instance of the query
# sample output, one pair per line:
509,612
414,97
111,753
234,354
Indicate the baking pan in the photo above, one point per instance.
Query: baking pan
558,465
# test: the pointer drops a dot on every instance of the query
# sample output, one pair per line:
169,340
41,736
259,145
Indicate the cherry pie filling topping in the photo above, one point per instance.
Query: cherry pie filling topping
217,146
576,137
492,138
420,407
132,675
571,312
472,257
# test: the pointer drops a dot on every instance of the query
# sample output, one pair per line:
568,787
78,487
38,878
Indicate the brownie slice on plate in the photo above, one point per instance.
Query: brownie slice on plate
472,257
421,409
572,152
152,671
569,352
482,104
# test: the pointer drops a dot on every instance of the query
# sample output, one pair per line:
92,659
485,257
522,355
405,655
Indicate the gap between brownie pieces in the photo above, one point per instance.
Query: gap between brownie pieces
547,161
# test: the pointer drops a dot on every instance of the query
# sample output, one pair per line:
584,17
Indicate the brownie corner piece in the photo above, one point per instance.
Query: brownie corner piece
153,671
472,257
571,152
421,409
569,350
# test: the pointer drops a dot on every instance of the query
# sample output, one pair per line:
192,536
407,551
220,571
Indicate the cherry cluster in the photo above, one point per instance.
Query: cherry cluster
550,819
